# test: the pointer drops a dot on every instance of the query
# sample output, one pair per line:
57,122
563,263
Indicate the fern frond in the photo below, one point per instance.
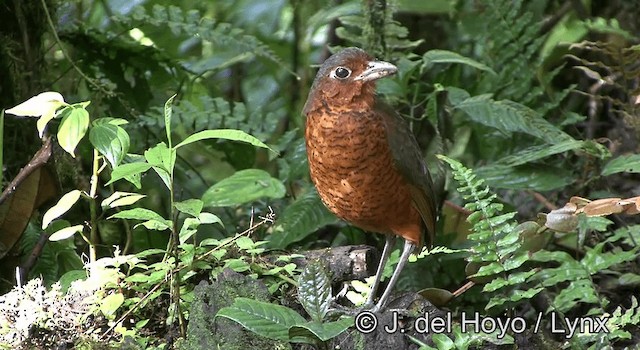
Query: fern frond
578,273
621,319
496,241
375,30
193,24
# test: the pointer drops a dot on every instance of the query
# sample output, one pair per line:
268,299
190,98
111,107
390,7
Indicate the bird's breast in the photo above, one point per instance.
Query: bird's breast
353,169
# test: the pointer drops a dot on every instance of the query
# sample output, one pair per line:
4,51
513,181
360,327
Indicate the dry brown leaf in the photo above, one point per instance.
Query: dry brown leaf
603,207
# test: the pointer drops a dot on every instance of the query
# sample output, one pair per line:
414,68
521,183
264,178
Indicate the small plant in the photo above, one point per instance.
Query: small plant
110,150
282,323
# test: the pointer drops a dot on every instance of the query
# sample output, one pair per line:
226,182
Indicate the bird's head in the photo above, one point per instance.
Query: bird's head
346,80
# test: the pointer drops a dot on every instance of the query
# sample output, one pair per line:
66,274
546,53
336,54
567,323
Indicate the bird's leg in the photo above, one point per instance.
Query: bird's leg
406,251
390,240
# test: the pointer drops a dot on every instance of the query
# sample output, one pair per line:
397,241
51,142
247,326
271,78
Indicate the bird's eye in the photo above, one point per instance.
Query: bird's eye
341,73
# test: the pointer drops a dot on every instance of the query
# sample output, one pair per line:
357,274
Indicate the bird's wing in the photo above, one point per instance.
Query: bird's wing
408,159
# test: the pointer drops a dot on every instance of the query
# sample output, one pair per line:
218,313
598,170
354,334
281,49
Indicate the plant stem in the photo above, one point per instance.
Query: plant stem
93,237
175,239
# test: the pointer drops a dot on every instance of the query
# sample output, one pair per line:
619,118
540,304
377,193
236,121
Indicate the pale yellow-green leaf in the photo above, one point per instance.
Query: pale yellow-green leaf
42,122
65,233
72,129
120,199
64,204
38,105
110,304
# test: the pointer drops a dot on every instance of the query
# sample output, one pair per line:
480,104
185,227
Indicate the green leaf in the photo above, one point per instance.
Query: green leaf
444,56
111,141
65,233
118,199
314,290
243,187
38,105
580,291
244,243
300,219
321,330
514,297
508,116
70,277
110,304
530,176
538,152
72,129
226,134
208,218
442,341
595,260
268,320
627,163
237,265
167,118
192,207
129,169
110,121
188,229
139,214
64,204
163,160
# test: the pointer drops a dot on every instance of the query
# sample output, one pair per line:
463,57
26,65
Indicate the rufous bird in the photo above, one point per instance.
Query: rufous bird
365,161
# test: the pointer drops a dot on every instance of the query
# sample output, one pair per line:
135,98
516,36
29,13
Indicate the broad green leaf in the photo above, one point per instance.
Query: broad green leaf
538,152
268,320
155,225
627,163
160,156
300,219
72,129
243,187
163,160
444,56
237,265
226,134
118,199
192,207
244,243
70,277
64,204
208,218
167,118
111,303
188,229
109,120
534,177
321,330
314,290
508,116
124,170
138,214
65,233
41,104
111,141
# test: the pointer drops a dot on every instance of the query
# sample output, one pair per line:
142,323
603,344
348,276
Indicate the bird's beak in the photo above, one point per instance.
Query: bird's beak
376,70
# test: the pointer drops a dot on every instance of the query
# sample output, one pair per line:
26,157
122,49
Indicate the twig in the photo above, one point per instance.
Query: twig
66,55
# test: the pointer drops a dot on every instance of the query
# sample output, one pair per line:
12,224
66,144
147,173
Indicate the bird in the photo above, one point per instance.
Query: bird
364,160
